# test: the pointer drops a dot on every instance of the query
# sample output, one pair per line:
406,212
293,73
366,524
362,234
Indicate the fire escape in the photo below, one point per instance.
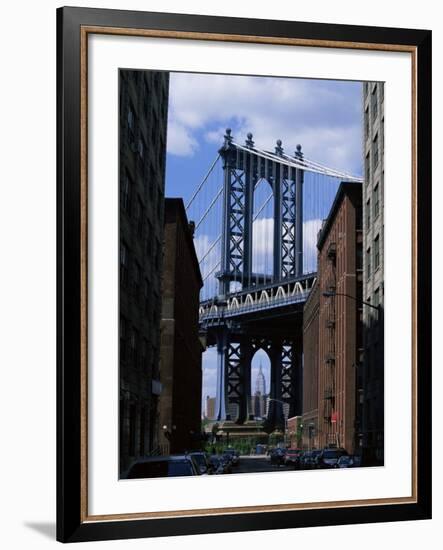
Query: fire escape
329,396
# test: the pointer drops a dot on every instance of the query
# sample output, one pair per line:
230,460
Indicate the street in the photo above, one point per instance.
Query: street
261,463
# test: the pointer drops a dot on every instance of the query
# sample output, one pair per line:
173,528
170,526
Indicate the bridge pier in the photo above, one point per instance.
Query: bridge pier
221,395
275,418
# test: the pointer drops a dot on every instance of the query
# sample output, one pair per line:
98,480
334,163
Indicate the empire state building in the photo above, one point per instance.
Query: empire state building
259,398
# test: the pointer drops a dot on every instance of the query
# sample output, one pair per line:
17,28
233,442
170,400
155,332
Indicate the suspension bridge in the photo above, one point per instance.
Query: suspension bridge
257,214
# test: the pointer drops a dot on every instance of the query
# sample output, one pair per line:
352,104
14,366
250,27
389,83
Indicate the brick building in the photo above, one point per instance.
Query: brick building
181,348
210,408
340,319
142,156
310,369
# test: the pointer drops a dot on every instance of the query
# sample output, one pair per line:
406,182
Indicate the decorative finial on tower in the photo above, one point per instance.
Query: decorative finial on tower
298,152
228,137
249,142
279,148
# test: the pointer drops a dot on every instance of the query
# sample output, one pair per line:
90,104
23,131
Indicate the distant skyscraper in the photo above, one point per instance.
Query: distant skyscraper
210,407
260,383
259,397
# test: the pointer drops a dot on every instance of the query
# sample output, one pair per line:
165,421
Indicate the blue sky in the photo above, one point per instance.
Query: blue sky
323,116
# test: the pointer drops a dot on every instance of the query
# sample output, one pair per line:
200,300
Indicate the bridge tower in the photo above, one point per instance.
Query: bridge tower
243,169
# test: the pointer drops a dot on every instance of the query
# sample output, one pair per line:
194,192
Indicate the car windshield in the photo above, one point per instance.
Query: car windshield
200,459
163,468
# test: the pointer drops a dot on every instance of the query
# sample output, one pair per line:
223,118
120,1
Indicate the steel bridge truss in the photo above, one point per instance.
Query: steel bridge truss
244,168
234,380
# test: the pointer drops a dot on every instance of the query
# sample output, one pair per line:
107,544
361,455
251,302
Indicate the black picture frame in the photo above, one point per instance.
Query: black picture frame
71,523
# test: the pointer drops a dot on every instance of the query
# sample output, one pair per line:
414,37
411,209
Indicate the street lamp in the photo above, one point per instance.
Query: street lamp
330,294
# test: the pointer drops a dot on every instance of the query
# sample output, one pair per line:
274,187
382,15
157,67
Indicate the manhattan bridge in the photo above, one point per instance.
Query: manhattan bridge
257,214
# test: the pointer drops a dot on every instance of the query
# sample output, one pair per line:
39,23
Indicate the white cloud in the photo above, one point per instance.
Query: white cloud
180,141
310,232
262,245
317,114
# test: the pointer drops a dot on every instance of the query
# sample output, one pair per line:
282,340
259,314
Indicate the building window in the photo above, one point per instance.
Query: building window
377,252
366,88
359,258
124,259
159,205
142,430
154,128
368,214
367,168
131,118
152,181
123,334
145,353
141,147
375,151
158,256
149,236
374,103
368,263
126,193
134,347
131,126
376,200
136,279
139,217
146,297
131,442
367,123
382,92
377,297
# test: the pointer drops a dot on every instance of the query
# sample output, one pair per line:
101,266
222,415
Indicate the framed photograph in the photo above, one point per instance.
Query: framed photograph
244,274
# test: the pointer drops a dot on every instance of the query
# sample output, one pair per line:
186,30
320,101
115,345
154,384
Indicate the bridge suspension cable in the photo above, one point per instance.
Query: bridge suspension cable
302,163
214,200
199,187
212,270
205,205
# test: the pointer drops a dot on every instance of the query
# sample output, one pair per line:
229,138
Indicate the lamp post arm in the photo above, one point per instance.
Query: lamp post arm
331,294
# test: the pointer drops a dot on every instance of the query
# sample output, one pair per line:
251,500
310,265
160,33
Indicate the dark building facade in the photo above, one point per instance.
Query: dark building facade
181,348
340,320
373,281
143,122
310,369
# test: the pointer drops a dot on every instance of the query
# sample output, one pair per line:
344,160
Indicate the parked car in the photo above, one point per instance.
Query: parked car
292,457
309,459
277,456
203,462
233,455
220,464
164,466
348,461
328,458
